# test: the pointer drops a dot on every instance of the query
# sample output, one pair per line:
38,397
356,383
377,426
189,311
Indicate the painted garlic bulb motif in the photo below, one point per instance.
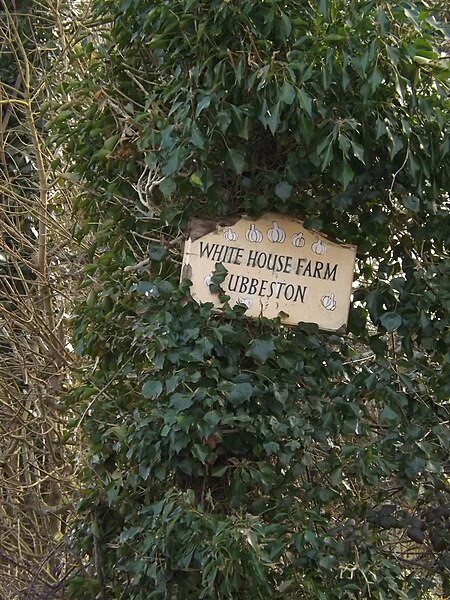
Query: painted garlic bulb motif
275,234
328,301
298,240
230,235
253,235
318,247
246,301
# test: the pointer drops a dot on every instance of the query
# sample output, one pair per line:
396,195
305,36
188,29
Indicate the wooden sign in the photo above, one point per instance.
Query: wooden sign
274,266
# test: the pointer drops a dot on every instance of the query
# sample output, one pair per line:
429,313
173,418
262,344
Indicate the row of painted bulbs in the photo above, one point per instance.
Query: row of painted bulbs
276,235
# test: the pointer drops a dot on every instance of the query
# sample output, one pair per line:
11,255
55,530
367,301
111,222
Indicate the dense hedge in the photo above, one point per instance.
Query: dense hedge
230,458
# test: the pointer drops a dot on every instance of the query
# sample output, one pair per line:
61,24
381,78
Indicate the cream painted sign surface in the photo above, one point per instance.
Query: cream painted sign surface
274,265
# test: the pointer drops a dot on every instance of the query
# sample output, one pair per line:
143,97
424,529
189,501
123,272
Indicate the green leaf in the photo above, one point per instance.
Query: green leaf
111,142
223,121
286,26
287,94
218,277
174,162
391,321
157,252
181,401
240,392
271,448
196,179
242,129
168,187
305,101
101,154
252,539
396,146
327,562
261,349
412,203
389,417
346,174
358,151
129,534
336,477
152,389
283,190
383,21
219,471
212,418
380,129
326,156
196,137
344,144
414,166
200,452
145,287
273,119
236,158
375,79
204,103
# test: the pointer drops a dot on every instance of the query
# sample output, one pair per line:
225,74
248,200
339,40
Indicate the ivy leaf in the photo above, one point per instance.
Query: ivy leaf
240,393
152,389
223,121
358,151
287,94
174,163
145,287
283,190
346,174
181,401
389,417
167,187
219,471
101,154
218,277
286,26
111,142
157,252
196,179
412,203
196,137
236,158
212,418
391,321
305,101
273,119
200,452
204,103
252,539
261,349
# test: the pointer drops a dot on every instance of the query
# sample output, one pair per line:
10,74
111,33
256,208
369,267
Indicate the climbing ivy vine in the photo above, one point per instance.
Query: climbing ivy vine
230,458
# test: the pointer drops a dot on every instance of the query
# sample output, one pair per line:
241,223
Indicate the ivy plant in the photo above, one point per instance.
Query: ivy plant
236,458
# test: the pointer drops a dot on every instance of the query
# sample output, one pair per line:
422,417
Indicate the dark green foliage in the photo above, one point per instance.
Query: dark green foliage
231,458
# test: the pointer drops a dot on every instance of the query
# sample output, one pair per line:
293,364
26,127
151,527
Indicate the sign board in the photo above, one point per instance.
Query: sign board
274,266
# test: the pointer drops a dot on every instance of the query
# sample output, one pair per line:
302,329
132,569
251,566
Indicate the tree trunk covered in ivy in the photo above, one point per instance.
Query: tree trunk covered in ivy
237,458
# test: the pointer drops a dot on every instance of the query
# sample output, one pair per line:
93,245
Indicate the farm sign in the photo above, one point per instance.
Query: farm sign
274,266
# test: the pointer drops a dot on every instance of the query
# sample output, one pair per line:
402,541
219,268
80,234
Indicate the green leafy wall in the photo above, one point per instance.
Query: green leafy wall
230,458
